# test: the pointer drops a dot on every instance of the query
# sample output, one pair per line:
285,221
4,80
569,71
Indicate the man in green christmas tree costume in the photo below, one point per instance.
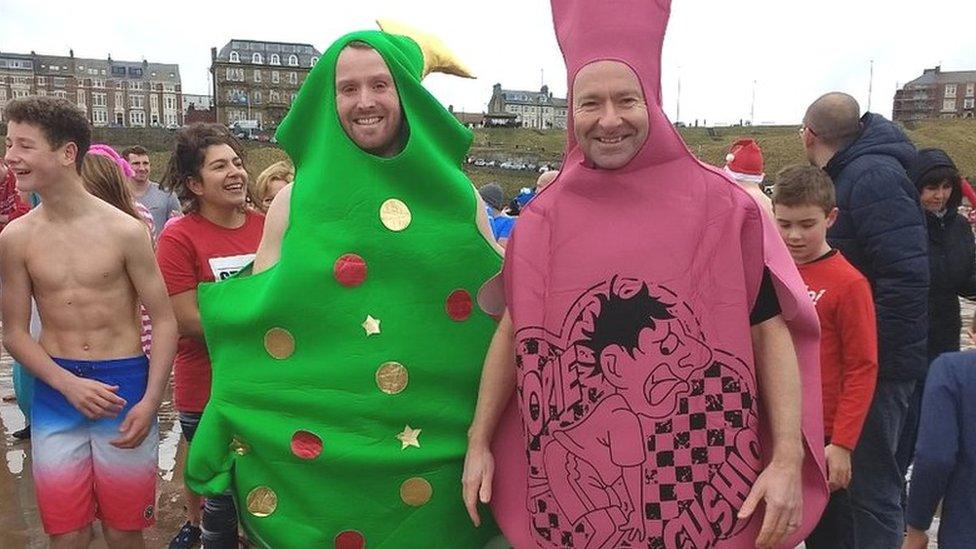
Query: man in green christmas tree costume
344,376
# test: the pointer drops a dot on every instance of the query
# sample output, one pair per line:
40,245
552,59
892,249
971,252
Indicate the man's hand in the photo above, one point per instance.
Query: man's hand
479,468
915,539
779,486
136,425
838,467
93,398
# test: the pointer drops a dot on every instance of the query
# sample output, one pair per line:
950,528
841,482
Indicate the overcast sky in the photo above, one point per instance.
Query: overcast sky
793,50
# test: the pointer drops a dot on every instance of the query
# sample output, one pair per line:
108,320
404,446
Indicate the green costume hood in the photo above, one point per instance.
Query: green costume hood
345,377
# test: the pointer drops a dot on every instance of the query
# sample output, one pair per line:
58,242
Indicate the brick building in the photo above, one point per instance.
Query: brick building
134,94
257,80
937,94
531,109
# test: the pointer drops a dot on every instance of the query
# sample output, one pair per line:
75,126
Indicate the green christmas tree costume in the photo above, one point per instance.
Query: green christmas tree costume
345,377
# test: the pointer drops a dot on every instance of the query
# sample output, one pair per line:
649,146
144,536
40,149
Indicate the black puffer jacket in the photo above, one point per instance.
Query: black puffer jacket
952,259
881,230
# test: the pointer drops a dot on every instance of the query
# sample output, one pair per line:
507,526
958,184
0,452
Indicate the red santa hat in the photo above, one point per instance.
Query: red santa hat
745,161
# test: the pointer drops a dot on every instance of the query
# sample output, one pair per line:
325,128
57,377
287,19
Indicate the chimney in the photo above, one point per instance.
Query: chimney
110,58
71,52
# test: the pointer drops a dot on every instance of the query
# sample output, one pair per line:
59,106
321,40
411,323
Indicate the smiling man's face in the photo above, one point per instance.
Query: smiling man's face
367,101
609,114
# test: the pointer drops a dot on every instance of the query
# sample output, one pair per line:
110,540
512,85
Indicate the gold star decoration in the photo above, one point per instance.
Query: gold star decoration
371,325
437,58
409,437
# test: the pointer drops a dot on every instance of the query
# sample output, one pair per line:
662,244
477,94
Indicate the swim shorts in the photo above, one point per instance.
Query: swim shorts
78,475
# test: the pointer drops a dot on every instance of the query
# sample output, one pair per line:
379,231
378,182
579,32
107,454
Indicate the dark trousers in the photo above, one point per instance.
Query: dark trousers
877,482
909,433
836,527
219,522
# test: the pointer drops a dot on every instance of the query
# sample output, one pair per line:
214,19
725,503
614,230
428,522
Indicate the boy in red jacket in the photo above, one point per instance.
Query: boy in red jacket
804,208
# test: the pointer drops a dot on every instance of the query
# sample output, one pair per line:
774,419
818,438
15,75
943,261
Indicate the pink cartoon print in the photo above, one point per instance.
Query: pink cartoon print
640,434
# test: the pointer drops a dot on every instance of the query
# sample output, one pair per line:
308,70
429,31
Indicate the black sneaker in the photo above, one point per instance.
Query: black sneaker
23,434
187,538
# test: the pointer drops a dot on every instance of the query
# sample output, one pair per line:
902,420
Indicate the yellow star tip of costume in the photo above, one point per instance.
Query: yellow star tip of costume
409,437
437,58
371,325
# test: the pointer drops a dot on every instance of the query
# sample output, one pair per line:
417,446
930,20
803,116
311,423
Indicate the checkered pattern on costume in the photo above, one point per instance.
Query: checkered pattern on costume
683,453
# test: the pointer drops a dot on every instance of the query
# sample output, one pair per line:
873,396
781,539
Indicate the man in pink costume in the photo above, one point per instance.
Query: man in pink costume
658,339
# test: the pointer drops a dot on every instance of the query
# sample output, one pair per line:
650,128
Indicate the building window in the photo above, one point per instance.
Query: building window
170,120
950,90
293,96
41,80
99,117
154,102
235,57
41,92
119,100
275,59
949,105
120,85
59,82
314,61
81,98
256,96
169,102
275,78
118,71
98,99
257,76
970,90
154,120
256,58
135,85
60,94
968,103
169,88
137,118
293,78
292,60
274,96
137,101
97,83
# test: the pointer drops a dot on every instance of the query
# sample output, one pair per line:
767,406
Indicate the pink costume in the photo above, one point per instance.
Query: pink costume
637,417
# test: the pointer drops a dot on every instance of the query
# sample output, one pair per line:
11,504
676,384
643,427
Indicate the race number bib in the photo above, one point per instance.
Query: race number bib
226,267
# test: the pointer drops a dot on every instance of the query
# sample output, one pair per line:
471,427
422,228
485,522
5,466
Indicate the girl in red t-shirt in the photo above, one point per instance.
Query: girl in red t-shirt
217,238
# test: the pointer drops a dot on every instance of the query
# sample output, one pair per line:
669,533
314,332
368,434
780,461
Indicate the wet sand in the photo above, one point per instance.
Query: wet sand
20,525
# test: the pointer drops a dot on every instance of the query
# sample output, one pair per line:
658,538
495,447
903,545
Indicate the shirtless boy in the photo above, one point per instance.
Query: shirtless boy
88,266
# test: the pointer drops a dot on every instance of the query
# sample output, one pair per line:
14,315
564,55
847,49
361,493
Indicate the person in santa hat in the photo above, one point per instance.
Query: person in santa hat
744,164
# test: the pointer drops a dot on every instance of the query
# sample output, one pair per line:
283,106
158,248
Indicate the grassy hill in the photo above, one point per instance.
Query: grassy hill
781,147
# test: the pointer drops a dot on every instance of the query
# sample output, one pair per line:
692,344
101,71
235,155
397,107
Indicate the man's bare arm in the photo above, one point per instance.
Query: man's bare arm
275,224
497,385
143,272
779,485
147,280
92,398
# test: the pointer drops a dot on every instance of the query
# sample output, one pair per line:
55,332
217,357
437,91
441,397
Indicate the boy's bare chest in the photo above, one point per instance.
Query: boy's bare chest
75,259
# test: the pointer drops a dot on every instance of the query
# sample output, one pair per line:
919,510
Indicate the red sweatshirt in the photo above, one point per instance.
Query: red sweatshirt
11,204
848,344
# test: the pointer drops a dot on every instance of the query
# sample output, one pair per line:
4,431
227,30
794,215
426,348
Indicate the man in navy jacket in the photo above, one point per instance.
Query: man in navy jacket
881,230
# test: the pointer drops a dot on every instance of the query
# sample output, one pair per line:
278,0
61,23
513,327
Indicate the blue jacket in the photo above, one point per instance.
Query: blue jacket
945,454
881,230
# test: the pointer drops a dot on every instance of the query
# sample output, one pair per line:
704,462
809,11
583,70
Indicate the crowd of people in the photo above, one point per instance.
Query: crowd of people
678,359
